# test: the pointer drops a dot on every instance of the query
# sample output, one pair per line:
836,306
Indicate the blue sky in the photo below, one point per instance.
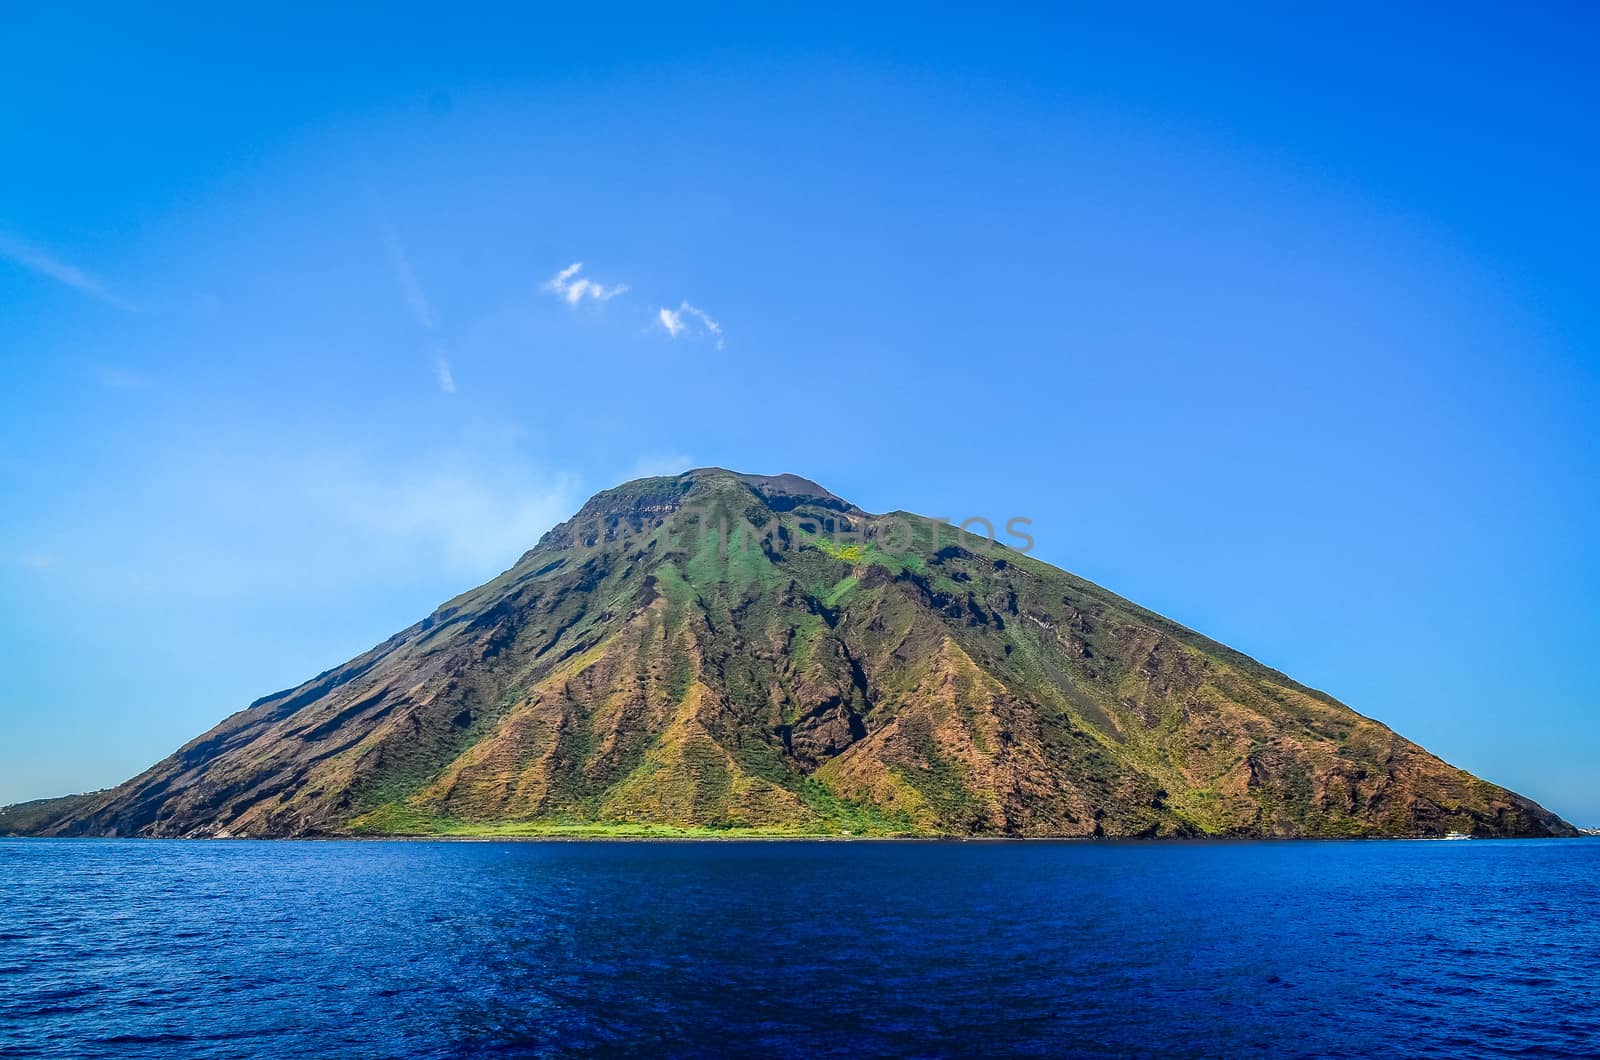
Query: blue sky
1286,329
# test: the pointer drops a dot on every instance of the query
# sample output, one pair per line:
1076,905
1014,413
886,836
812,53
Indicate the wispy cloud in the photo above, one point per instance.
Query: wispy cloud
117,378
461,511
417,301
449,513
572,288
689,320
654,465
41,261
416,297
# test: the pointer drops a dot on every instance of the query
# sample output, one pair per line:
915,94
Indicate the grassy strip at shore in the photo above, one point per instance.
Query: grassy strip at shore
401,821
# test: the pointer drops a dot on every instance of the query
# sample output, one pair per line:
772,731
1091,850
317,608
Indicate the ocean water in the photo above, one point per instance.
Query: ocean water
410,949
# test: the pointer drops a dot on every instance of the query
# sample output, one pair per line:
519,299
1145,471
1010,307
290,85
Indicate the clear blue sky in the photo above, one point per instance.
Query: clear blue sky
1287,329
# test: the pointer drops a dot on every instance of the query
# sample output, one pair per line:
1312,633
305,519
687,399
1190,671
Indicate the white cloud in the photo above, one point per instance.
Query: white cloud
44,263
673,322
572,288
441,371
688,319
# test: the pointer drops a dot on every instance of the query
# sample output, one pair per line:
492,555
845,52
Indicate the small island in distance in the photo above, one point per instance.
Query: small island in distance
722,654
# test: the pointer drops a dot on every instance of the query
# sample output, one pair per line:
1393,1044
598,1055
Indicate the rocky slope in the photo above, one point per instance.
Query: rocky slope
724,653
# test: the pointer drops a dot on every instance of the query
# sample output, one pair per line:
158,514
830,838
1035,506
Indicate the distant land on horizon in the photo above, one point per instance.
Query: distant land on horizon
726,654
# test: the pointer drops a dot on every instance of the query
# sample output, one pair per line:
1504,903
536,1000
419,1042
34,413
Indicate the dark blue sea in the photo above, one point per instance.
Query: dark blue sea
410,949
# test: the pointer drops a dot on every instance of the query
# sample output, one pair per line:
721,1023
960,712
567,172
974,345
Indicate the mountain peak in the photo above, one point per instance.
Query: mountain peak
786,489
641,502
